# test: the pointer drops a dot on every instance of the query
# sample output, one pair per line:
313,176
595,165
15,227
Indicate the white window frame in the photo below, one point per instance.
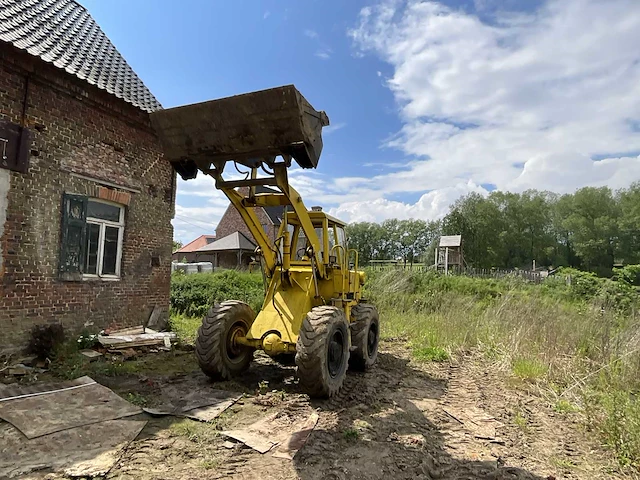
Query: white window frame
103,224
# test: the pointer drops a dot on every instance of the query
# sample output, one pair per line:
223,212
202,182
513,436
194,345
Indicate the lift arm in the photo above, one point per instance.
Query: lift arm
287,196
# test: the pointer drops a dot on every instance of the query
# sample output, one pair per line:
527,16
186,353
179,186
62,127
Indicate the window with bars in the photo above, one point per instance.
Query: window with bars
92,233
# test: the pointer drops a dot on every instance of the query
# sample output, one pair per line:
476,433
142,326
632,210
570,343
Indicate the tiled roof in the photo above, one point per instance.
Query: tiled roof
199,242
63,33
233,241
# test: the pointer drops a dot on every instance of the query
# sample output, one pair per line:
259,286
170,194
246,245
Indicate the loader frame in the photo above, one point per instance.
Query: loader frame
327,273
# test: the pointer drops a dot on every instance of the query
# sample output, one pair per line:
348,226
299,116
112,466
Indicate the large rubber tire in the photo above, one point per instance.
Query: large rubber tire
322,351
217,355
365,336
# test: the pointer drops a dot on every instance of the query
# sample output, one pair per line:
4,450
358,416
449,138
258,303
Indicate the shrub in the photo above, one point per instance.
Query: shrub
193,295
44,339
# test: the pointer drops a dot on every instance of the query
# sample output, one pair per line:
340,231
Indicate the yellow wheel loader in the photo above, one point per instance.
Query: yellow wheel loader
313,307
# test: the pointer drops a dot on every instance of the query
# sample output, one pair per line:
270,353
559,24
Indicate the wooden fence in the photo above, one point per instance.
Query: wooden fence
527,275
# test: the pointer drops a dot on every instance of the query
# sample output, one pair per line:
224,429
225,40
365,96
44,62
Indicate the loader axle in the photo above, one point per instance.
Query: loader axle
271,343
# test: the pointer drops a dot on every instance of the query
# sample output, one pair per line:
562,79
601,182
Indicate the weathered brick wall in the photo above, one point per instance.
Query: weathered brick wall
231,222
78,132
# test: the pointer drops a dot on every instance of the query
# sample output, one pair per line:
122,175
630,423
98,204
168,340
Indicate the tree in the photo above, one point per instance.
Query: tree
629,224
592,223
366,238
177,245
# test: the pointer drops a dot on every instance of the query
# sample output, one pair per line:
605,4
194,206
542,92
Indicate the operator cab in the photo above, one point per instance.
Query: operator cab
333,242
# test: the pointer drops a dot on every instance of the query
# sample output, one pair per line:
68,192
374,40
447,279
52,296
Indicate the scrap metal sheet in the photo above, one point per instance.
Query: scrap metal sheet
78,452
286,434
57,407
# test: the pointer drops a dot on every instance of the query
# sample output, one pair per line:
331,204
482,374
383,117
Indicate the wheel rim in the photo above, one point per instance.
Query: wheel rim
336,353
236,352
372,340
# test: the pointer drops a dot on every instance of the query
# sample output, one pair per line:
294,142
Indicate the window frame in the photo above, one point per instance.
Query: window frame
120,225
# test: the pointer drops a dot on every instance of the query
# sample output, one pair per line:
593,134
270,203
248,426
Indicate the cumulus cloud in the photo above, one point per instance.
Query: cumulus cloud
546,99
527,100
199,207
431,206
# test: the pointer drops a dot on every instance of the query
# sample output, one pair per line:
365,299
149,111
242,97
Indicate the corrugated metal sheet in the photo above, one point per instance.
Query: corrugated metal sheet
63,33
450,240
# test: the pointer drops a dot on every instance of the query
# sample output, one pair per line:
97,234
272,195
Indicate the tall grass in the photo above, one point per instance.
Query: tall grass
577,343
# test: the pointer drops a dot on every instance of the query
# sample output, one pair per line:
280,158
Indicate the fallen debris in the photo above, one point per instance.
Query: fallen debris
158,320
91,354
203,405
126,331
19,369
38,410
118,339
77,452
276,431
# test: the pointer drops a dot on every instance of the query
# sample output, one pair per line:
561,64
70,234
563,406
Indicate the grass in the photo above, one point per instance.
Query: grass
68,363
580,341
562,463
203,434
137,399
564,406
528,368
521,422
430,354
351,434
186,327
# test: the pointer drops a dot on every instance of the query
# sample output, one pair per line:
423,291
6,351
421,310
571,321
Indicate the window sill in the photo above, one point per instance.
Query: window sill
95,278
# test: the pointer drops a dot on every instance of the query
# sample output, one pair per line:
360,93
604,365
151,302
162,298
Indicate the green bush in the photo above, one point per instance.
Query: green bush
193,295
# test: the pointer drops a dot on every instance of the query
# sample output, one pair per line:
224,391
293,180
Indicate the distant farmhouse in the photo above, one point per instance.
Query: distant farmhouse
187,253
233,244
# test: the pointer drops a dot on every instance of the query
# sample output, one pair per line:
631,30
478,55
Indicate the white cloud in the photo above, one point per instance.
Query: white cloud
324,53
311,33
548,90
199,207
266,15
333,127
431,206
528,100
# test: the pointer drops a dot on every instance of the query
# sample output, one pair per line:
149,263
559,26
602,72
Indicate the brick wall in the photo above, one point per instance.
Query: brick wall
87,142
231,222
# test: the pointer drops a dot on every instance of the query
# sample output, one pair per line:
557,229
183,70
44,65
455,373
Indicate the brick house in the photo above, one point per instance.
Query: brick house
187,252
235,250
270,218
86,197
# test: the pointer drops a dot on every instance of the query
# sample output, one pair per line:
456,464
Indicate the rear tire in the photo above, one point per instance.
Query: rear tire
322,351
217,354
365,336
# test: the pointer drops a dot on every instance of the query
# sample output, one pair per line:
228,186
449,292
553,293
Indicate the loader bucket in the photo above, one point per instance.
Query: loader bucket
244,127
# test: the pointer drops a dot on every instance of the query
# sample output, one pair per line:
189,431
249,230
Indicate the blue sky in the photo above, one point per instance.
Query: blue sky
427,100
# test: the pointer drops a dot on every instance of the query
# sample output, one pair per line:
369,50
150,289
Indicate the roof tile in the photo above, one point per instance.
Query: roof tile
63,33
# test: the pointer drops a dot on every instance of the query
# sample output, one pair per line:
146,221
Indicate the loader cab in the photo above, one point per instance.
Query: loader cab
331,237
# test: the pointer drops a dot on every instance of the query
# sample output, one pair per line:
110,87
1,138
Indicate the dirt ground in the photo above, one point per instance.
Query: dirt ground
400,420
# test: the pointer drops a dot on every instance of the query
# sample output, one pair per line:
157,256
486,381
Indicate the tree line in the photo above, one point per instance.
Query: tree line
592,229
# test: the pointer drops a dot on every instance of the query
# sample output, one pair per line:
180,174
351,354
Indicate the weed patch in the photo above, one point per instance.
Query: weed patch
430,354
351,434
528,368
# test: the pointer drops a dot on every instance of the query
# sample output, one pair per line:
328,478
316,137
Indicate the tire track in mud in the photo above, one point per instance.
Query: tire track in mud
427,421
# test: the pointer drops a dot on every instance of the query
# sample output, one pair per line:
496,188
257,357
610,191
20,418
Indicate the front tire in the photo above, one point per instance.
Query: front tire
365,336
322,351
218,355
